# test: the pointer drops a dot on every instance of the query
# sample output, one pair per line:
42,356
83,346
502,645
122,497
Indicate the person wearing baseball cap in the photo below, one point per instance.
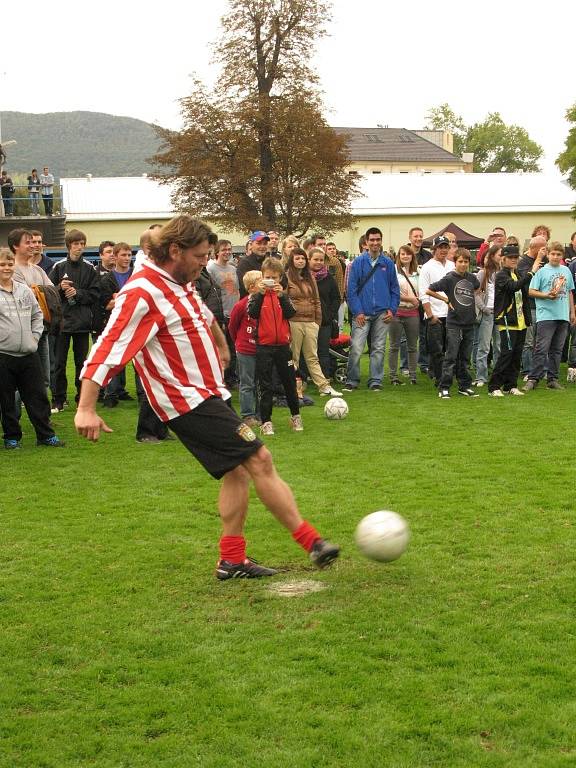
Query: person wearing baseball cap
512,317
253,260
435,310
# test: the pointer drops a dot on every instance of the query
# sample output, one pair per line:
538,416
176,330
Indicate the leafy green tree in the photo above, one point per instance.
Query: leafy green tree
566,161
497,147
501,148
256,151
443,118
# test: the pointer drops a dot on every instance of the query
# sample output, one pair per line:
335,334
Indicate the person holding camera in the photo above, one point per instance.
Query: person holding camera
496,237
272,309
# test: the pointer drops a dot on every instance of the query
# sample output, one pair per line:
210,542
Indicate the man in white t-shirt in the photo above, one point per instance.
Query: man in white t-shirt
435,310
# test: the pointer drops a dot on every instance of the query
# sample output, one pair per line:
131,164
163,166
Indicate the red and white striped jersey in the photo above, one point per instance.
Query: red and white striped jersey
165,328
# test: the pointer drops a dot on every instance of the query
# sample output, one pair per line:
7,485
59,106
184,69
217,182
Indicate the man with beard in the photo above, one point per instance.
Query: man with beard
159,312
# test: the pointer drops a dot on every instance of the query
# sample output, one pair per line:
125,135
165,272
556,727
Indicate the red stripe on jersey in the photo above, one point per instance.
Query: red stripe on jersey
164,327
172,391
196,342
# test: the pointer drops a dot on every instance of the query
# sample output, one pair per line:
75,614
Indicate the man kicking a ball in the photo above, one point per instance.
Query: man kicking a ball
179,353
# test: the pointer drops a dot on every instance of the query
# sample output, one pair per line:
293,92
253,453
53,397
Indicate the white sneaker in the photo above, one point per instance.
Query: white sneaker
571,377
330,392
517,392
267,428
479,383
296,423
496,393
525,378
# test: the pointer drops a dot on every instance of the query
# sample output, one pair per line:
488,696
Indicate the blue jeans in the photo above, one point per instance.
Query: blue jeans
422,348
550,338
358,341
529,342
34,203
8,206
487,332
246,368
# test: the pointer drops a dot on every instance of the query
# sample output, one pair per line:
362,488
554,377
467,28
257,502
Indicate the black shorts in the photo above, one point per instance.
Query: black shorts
214,433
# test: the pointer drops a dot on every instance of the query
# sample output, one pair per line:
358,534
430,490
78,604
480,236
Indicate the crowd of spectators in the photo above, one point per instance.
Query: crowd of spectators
37,186
282,303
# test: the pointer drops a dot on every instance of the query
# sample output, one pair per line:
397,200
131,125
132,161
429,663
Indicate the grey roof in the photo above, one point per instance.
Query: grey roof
394,145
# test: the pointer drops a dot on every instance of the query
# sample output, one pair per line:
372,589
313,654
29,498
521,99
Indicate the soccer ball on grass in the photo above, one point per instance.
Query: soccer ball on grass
382,536
336,408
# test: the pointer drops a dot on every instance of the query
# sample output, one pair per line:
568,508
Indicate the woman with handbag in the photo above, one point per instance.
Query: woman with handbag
330,304
305,324
407,318
487,331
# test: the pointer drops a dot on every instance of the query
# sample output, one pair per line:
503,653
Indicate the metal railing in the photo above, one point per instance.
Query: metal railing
25,203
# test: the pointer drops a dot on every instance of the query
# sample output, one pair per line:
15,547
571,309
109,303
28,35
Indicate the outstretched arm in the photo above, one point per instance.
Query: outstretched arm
87,422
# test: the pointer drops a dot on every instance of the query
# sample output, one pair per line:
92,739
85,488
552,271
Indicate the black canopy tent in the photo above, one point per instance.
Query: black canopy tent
464,239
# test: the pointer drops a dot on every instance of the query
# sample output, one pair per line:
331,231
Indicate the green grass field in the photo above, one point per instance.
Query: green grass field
119,648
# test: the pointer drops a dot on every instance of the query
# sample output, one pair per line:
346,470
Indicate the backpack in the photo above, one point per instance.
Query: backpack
48,299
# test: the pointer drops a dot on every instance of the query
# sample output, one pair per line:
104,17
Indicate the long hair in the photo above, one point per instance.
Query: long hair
183,230
295,275
413,263
490,265
289,239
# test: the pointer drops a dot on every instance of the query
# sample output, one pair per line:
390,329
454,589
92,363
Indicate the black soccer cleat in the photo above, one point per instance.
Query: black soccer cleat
323,553
249,569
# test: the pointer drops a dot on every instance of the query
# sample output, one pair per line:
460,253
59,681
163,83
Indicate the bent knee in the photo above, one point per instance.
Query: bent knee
260,462
240,473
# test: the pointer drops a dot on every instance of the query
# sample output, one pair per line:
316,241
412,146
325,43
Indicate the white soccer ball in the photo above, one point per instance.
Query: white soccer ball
382,536
336,408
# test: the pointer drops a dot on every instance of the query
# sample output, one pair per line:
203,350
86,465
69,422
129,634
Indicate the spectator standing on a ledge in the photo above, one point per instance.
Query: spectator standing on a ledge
47,189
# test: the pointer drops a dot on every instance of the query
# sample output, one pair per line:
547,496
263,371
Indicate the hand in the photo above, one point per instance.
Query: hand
360,320
553,294
70,292
89,424
278,289
261,286
387,316
433,320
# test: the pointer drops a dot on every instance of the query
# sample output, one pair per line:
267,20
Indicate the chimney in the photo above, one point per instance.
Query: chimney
468,160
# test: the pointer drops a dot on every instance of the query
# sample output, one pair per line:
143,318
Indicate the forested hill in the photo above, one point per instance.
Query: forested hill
76,143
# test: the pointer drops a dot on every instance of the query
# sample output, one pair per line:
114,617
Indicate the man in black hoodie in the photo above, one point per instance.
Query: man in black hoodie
79,289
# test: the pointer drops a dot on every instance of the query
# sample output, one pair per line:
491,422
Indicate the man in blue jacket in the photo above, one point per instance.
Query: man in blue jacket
373,298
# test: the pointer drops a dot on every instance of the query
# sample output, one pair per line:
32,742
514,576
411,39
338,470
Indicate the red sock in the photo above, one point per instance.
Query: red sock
233,549
306,535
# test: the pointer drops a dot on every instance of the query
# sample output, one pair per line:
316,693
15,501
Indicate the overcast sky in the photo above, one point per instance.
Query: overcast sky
385,63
